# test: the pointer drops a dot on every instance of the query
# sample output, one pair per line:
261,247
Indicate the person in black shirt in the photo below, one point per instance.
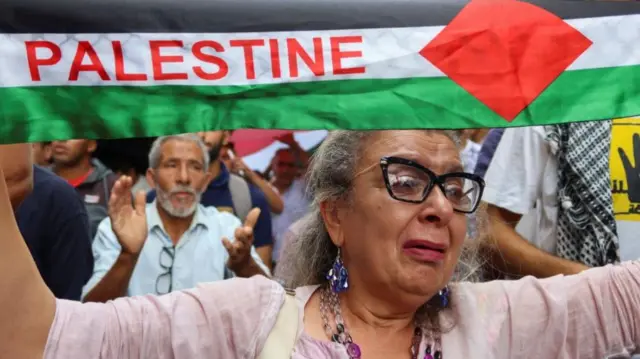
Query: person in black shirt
54,223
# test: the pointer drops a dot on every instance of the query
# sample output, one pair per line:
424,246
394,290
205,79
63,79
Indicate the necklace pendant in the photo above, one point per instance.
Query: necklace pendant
354,351
436,355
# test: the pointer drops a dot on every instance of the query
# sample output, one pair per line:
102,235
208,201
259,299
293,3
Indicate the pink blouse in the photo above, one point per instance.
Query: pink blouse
592,315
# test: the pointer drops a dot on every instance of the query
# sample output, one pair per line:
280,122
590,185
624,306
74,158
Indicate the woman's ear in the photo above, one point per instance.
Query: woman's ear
333,215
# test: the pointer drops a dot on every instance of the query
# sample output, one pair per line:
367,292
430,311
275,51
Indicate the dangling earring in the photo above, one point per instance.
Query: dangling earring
338,276
443,296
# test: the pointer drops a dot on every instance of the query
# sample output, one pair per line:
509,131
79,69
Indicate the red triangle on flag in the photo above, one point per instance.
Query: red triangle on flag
505,52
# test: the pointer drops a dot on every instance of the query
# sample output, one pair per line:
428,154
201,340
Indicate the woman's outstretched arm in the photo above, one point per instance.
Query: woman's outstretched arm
223,320
591,315
27,306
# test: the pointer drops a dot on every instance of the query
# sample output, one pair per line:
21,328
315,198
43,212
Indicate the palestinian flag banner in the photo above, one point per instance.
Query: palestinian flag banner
120,68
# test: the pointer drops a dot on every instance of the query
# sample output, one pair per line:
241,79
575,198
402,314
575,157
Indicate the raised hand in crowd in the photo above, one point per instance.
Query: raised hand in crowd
273,197
238,166
129,222
288,140
240,260
302,157
298,156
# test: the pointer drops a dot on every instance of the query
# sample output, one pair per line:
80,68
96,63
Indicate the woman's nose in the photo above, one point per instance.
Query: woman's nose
437,208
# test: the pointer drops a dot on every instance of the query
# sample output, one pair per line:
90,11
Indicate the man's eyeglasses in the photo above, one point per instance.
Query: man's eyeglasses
408,181
164,282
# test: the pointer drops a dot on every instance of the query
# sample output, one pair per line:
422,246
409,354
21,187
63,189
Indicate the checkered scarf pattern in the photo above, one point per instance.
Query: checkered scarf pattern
586,225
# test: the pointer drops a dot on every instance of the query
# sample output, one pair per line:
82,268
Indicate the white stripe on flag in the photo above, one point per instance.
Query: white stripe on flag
385,53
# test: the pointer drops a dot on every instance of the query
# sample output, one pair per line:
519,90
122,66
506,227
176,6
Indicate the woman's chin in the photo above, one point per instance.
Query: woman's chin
422,284
421,272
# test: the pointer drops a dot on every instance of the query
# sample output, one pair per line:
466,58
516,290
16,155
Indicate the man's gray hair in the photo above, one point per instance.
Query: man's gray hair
155,154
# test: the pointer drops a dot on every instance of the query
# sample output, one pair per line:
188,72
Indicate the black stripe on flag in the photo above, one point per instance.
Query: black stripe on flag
220,16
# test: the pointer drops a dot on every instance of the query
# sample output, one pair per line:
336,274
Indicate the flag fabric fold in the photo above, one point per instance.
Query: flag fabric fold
118,69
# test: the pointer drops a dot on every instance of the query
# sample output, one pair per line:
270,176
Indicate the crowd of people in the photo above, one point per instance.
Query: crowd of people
194,193
394,235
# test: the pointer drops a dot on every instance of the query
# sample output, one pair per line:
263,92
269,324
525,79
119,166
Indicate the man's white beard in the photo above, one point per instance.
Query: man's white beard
165,201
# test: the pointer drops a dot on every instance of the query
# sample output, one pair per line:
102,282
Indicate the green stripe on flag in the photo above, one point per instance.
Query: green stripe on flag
48,113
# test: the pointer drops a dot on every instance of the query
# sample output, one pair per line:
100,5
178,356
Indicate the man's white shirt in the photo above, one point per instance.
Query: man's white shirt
199,255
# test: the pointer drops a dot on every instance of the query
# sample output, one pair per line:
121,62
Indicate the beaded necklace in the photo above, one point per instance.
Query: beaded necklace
329,302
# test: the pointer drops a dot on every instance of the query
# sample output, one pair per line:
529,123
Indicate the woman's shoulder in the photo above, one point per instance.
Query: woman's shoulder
480,312
476,295
247,307
492,297
483,304
257,290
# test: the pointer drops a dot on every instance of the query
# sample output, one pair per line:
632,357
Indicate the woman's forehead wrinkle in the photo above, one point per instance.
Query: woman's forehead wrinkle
433,150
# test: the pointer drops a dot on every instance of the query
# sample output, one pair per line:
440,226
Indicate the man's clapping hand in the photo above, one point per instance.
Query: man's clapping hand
128,222
239,250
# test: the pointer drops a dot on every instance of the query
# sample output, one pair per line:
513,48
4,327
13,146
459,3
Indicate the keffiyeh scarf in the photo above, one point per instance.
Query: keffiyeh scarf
586,224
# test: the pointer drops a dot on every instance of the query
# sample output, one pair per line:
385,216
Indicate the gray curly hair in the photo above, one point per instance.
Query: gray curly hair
308,257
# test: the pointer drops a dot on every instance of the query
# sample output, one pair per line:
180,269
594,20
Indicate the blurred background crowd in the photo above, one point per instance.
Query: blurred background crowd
198,188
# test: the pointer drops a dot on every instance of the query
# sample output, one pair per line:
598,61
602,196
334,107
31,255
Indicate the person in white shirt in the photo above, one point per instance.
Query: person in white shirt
576,182
471,146
289,166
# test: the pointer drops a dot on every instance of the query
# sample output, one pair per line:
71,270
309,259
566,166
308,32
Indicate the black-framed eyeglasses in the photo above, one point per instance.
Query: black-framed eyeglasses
408,181
164,282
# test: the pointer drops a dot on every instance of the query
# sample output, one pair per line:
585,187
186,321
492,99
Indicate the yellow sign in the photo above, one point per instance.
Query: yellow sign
624,162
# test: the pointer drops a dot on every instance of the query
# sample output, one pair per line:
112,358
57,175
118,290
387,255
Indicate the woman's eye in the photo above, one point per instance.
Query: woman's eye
455,193
407,187
454,190
403,181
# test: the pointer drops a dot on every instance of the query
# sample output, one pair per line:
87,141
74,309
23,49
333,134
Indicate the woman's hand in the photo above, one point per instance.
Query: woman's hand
7,219
18,171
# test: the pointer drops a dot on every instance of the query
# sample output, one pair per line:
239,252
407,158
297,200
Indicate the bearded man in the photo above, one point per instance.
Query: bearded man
186,243
230,192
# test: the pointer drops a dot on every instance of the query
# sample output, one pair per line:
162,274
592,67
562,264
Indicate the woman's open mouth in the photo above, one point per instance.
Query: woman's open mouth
424,251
